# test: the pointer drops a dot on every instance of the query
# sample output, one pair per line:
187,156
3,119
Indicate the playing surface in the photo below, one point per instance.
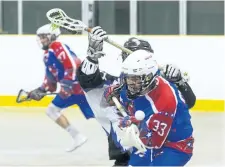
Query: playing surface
29,138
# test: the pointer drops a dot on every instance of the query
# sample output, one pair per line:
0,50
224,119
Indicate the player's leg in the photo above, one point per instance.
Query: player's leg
80,100
170,157
54,111
85,108
115,153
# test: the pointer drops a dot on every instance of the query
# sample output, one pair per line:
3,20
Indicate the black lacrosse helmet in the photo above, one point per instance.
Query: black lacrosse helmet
136,44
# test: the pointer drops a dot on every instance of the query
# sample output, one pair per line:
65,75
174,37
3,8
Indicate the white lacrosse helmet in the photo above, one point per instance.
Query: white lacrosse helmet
139,71
49,32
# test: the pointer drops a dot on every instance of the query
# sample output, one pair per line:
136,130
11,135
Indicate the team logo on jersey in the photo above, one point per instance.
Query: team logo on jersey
145,134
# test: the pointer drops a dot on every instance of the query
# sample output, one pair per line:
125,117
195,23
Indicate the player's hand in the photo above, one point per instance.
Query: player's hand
172,73
98,34
127,121
36,94
66,88
49,85
95,47
112,91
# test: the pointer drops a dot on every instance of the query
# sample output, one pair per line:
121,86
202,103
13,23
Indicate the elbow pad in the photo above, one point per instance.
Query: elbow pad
89,66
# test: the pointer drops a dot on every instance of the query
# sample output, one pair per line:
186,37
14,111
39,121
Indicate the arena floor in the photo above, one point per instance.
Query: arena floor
29,138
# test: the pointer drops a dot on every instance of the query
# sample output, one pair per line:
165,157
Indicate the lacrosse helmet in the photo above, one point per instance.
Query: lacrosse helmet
139,71
134,44
46,34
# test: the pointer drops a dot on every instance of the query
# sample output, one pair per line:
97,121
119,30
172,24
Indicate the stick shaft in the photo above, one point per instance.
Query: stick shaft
119,106
115,44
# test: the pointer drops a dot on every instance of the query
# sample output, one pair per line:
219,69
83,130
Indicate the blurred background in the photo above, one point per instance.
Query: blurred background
120,17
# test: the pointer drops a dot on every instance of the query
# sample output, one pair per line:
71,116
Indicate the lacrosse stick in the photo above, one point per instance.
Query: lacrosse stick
58,18
24,96
131,137
119,107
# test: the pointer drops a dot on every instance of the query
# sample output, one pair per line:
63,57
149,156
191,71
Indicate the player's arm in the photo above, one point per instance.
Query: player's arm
173,74
158,125
49,84
107,77
62,53
187,93
112,91
88,74
160,122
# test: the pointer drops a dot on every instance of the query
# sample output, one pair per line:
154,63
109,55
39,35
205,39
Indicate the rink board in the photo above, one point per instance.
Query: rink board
30,138
201,104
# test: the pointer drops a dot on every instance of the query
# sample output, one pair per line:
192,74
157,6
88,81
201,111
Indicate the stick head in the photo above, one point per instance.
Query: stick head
22,96
59,18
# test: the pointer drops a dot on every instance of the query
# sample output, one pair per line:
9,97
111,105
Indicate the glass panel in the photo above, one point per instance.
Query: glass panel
122,17
9,17
34,12
113,16
158,17
205,17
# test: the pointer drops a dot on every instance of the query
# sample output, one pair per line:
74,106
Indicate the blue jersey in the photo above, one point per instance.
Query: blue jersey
167,119
61,64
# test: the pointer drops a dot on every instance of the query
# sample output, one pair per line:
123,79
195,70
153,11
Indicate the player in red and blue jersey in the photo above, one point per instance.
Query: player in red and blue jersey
61,64
169,72
166,129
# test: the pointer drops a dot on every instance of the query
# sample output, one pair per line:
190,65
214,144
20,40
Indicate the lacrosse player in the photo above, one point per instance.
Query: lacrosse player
169,72
165,126
94,82
61,64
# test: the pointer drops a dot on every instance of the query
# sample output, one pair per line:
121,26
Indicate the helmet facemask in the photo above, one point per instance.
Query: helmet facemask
139,85
46,35
44,40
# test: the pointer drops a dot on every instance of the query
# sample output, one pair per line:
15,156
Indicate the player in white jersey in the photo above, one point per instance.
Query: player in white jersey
93,83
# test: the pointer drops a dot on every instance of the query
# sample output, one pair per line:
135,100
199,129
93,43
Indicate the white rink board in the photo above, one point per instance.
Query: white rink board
31,138
203,57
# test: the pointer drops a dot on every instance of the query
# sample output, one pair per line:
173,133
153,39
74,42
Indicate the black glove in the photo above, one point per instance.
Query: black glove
112,91
37,94
172,73
95,47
